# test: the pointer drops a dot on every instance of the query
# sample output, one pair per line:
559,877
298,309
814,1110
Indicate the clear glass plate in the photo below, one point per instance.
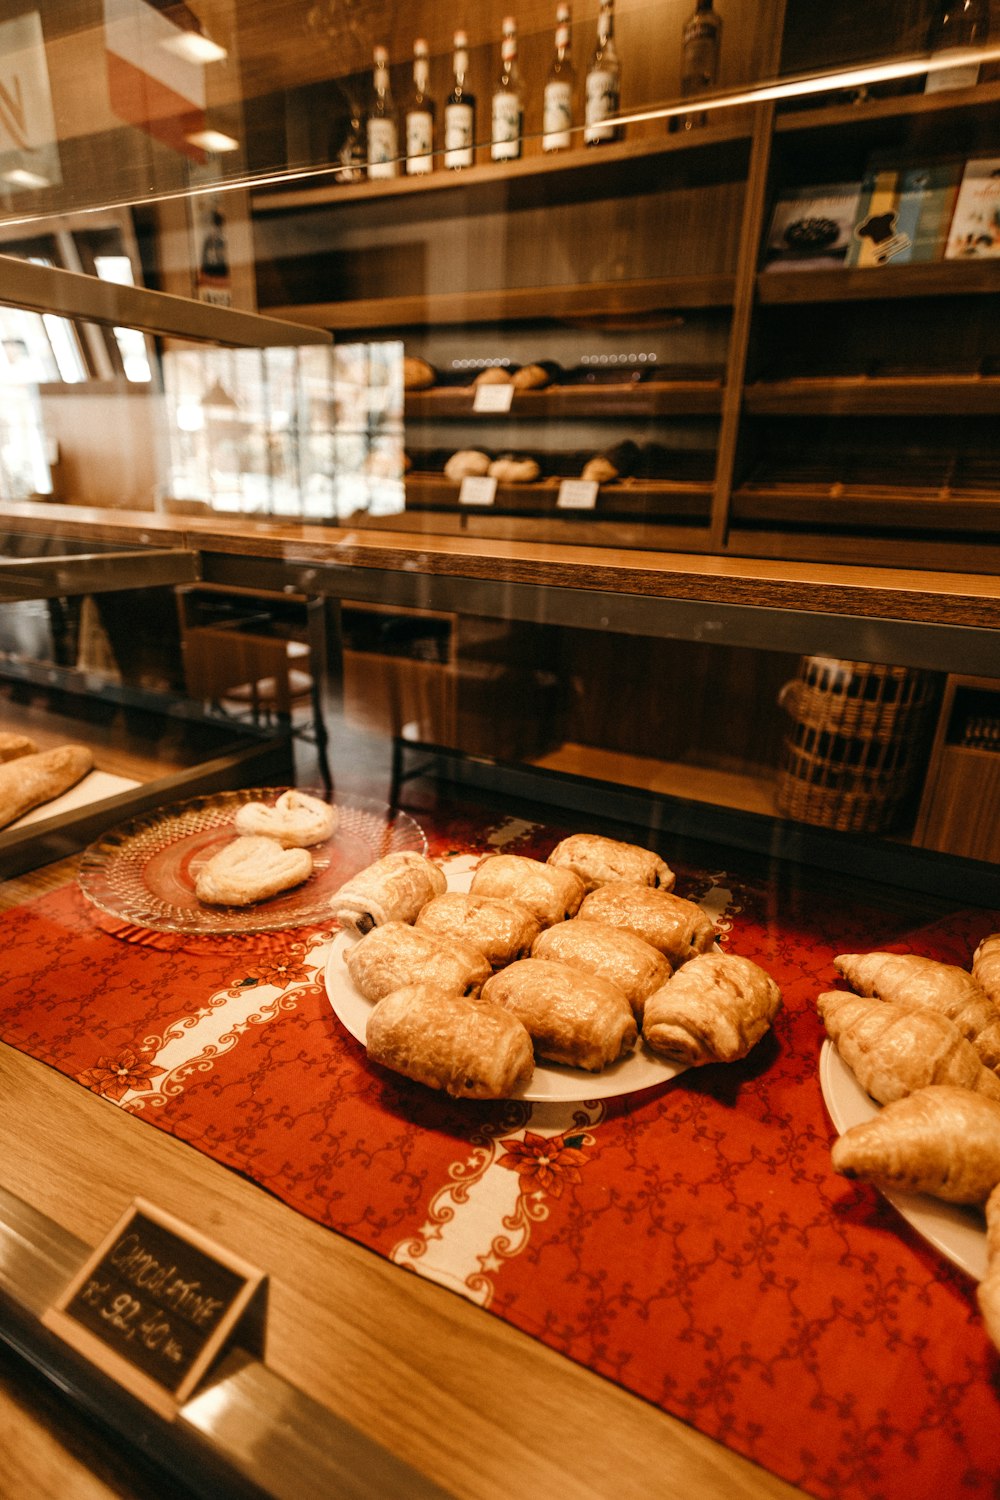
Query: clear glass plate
144,870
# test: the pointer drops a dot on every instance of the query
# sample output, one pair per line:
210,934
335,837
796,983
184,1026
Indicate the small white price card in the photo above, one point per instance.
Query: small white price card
493,397
577,494
477,489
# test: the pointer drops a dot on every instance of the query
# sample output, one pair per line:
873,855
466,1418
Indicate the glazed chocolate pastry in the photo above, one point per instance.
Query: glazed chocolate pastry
467,1048
397,954
572,1018
714,1009
502,930
393,889
550,894
599,861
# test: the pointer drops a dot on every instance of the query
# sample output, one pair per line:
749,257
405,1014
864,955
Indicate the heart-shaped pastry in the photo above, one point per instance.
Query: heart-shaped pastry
296,820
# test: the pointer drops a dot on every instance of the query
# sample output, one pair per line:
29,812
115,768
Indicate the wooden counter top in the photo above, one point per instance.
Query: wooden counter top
903,594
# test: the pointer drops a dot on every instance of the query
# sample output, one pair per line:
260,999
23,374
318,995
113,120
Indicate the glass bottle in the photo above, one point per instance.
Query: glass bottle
420,115
380,127
460,111
557,108
603,87
508,110
957,23
701,43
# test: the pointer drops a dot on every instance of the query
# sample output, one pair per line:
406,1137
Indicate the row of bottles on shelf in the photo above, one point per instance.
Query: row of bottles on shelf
377,148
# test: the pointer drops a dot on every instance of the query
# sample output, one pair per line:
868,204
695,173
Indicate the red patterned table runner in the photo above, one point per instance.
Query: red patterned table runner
689,1242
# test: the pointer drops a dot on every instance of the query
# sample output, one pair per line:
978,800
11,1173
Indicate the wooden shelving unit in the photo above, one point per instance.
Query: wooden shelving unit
865,396
948,278
639,498
628,400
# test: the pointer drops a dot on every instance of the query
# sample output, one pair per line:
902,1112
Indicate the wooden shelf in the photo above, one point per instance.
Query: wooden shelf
630,400
852,116
528,304
948,278
616,158
871,396
880,509
632,497
744,792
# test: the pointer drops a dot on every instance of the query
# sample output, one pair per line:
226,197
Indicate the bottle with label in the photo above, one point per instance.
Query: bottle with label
508,110
957,23
603,87
701,43
460,111
420,115
381,131
557,108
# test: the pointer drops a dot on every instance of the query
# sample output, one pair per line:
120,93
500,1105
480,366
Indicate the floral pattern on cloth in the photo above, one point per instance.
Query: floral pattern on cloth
689,1242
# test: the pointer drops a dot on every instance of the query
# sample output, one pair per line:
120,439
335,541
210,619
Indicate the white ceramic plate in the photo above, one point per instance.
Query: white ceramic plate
642,1069
958,1232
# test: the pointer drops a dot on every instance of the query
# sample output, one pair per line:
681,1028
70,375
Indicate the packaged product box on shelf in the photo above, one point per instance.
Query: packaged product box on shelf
812,226
975,225
904,212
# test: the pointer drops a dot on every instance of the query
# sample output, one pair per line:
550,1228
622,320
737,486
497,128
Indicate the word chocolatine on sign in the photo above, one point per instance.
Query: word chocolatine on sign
154,1304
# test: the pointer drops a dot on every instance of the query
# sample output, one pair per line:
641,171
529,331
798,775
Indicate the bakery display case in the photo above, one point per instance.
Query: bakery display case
510,515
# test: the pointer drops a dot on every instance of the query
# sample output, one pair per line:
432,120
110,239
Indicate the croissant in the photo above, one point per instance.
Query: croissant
635,966
988,1293
502,930
939,1140
468,1049
893,1051
599,860
678,928
906,979
393,889
571,1017
251,869
396,954
714,1009
986,966
549,893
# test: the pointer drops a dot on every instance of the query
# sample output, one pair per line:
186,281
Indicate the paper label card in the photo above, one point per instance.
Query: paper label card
478,489
153,1305
577,494
497,397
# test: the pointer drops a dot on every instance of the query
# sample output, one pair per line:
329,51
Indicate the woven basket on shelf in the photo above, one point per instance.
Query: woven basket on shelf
851,755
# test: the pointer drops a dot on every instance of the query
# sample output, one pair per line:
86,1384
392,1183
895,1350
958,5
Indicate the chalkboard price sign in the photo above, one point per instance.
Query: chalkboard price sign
154,1304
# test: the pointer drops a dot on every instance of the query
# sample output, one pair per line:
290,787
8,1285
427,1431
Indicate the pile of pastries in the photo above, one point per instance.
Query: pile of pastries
567,960
30,777
923,1039
271,852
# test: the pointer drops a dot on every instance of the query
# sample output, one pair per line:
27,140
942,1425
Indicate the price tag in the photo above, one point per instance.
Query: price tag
477,489
153,1305
493,397
577,494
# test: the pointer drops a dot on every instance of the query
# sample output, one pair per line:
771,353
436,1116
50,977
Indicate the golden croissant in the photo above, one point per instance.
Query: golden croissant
986,966
989,1288
939,1140
714,1009
893,1051
906,979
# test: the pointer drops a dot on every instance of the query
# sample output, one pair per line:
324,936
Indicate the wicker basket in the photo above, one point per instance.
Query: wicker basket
852,754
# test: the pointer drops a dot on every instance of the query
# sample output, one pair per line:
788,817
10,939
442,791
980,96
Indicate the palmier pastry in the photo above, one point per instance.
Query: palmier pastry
466,463
572,1017
678,928
14,745
30,780
251,868
986,966
468,1049
501,930
550,894
600,861
988,1291
393,889
295,819
906,979
397,954
610,953
893,1051
714,1009
939,1140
